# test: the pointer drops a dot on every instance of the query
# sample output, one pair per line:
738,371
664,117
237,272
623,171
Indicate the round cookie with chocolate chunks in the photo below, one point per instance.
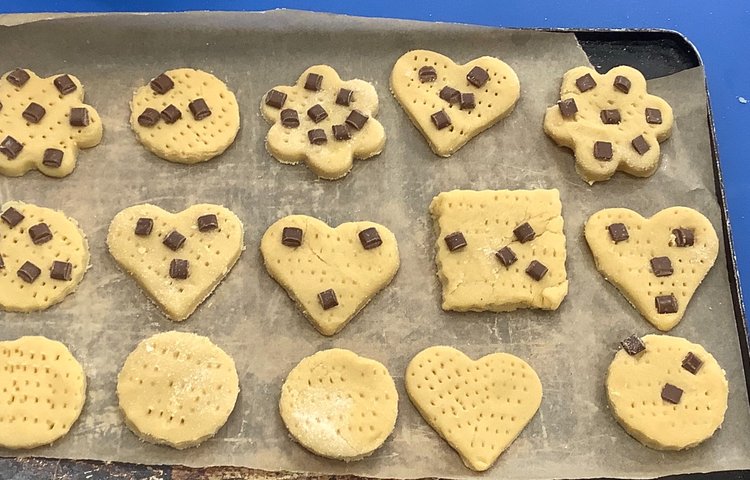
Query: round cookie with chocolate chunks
667,392
185,116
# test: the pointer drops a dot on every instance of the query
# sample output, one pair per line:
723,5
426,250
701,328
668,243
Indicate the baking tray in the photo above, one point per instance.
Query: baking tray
656,53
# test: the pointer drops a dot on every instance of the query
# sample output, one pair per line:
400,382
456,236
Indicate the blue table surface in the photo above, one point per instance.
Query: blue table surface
720,30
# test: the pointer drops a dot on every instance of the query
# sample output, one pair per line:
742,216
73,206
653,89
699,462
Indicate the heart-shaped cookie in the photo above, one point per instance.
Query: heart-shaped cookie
330,272
478,406
657,263
176,258
449,103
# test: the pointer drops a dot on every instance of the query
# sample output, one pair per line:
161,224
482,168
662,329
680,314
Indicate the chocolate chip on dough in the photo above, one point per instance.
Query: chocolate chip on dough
179,269
12,217
18,77
427,74
618,232
10,147
344,97
174,241
568,107
441,119
144,226
683,237
64,84
34,113
653,116
662,266
692,363
317,113
328,299
671,394
52,158
171,114
275,98
29,272
162,84
341,132
506,256
603,151
622,84
208,222
79,117
524,233
478,76
317,136
455,240
370,238
291,236
610,117
199,109
314,82
467,101
666,304
61,271
40,234
536,270
450,95
633,345
289,118
356,119
149,117
585,82
640,145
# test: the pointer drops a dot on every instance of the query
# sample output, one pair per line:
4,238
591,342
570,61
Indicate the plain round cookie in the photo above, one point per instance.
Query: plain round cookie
177,389
42,392
339,405
634,389
188,140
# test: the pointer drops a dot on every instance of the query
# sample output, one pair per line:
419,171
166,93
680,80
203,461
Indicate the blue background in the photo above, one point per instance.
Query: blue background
720,29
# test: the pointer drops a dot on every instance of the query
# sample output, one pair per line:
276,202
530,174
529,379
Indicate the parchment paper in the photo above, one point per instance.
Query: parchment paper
573,435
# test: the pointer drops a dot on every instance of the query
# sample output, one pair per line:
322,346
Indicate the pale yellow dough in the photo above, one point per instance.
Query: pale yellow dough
42,392
339,405
473,278
68,244
580,132
329,258
333,159
634,385
188,140
53,131
478,406
177,389
211,254
627,264
494,101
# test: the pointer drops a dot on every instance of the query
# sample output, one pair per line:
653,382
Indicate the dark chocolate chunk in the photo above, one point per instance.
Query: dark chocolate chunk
427,74
328,299
291,236
344,97
671,394
289,118
610,117
2,262
179,269
40,233
455,240
341,132
317,136
52,158
208,222
199,109
603,150
171,114
618,232
692,363
524,233
683,237
450,95
144,226
34,113
61,271
506,256
662,266
149,117
477,76
18,77
29,272
356,119
162,84
653,115
79,117
666,304
275,98
536,270
622,84
317,113
441,119
174,241
467,101
633,345
640,145
10,147
370,238
585,82
568,107
12,217
64,84
314,82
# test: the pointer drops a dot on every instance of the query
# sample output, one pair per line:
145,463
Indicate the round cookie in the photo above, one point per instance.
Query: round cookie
170,120
42,392
666,392
339,405
177,389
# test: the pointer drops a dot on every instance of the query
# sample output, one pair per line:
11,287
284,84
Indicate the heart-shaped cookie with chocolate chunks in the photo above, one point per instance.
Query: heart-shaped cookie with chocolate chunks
657,262
331,273
178,259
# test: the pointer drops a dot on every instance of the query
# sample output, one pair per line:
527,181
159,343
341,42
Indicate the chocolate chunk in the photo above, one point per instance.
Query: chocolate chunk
289,118
653,115
610,117
40,233
34,113
18,77
199,109
450,95
144,226
291,236
341,132
671,394
441,119
603,150
52,158
506,256
692,363
427,74
356,119
328,299
455,240
666,304
683,237
344,97
2,263
317,113
10,147
317,136
179,269
640,145
61,271
29,272
171,114
524,233
622,84
79,117
174,241
275,98
618,232
477,76
162,84
585,82
314,82
662,266
568,107
633,345
64,84
208,222
467,101
536,270
149,117
12,217
370,238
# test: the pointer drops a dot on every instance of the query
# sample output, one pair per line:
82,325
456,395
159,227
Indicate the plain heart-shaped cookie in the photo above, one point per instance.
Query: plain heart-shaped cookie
432,89
332,273
630,252
178,259
478,406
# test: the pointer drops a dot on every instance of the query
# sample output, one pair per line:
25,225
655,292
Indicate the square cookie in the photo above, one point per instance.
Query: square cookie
510,252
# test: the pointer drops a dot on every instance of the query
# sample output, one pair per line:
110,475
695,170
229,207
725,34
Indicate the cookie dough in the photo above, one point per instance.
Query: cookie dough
42,392
185,116
177,389
43,123
500,250
43,257
331,273
339,405
478,406
323,121
610,122
670,396
178,259
650,262
450,103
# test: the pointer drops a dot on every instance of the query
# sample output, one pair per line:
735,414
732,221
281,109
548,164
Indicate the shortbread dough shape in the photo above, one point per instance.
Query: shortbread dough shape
634,385
329,258
627,264
339,405
42,392
333,159
188,140
211,254
473,279
478,406
53,131
68,244
495,100
586,127
177,389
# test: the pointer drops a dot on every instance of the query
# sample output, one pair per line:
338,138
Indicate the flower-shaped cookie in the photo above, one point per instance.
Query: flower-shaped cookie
610,122
323,121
